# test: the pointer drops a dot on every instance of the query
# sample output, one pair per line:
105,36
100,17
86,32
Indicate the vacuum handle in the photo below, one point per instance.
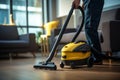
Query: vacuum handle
80,27
60,35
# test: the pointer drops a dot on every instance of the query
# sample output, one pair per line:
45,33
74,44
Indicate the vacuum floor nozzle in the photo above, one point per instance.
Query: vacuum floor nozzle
44,65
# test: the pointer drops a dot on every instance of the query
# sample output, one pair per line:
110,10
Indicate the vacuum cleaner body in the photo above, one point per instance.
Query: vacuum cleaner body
75,54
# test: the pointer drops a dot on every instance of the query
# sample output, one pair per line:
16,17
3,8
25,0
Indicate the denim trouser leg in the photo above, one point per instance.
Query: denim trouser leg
93,10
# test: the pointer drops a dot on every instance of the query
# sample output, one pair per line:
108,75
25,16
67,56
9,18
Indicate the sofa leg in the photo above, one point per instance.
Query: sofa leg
10,56
33,53
110,61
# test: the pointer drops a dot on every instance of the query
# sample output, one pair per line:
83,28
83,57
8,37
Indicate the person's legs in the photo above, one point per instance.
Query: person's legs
93,10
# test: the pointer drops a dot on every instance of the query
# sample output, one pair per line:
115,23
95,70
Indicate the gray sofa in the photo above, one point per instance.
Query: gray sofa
12,42
111,34
68,36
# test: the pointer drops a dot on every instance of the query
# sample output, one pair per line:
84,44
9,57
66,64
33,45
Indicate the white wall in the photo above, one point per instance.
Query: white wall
63,7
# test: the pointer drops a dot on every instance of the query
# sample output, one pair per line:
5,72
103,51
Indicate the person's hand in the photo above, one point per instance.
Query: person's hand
76,3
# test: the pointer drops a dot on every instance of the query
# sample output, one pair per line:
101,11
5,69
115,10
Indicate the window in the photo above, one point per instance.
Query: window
4,11
19,14
34,12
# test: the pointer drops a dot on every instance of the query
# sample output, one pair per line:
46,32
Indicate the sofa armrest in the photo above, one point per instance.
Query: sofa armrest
33,43
31,39
28,37
110,32
24,37
114,35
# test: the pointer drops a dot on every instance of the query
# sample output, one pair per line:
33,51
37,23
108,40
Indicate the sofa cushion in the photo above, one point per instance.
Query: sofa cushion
67,37
13,43
8,32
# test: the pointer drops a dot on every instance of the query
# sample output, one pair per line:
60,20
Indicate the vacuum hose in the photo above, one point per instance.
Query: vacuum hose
51,55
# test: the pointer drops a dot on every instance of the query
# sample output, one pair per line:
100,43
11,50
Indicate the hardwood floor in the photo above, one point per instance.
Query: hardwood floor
21,68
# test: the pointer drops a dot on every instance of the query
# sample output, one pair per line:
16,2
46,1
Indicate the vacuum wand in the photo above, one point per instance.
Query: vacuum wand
60,36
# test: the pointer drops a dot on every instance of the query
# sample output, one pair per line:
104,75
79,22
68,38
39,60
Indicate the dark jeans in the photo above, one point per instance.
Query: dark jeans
93,10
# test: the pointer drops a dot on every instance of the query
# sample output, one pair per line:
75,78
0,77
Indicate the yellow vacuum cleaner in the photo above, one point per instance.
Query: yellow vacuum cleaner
75,54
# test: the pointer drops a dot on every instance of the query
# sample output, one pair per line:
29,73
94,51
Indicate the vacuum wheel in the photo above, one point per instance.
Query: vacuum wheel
90,62
72,65
61,64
